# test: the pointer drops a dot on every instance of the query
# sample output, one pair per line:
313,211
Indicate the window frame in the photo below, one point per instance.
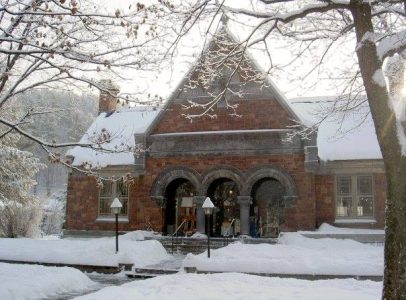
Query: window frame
355,196
110,217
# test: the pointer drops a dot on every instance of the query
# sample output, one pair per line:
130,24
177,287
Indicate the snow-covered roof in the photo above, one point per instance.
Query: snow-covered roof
349,136
118,129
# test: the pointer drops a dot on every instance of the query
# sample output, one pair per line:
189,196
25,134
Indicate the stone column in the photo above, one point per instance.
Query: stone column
244,202
200,217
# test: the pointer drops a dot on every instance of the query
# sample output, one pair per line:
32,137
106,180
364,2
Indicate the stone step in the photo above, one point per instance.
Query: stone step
155,271
186,245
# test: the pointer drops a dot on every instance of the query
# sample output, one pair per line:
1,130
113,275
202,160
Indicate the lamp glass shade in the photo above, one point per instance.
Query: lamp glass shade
208,206
116,206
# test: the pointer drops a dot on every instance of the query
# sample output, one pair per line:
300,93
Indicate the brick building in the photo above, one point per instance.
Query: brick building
259,181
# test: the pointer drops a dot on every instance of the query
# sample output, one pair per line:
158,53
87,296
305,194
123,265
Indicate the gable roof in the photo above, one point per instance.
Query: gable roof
119,128
268,86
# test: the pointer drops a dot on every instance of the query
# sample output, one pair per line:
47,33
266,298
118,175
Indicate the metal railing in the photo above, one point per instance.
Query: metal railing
227,233
176,232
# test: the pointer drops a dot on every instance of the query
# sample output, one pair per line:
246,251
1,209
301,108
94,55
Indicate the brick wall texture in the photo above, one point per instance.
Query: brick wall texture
316,198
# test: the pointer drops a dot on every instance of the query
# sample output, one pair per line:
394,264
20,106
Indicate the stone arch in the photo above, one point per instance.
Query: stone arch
273,172
222,172
167,176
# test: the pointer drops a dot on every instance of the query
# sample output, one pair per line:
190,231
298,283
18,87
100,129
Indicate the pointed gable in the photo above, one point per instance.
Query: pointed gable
224,90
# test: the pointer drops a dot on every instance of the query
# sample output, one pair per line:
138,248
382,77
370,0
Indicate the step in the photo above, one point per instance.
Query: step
155,271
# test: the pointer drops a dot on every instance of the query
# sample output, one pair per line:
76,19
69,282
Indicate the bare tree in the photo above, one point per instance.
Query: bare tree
375,29
66,45
71,44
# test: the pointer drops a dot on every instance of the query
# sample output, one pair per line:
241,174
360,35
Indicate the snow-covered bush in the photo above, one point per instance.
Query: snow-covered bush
54,213
18,219
20,211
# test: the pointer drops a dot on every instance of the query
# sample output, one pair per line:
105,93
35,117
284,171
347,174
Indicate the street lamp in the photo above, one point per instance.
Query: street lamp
116,208
208,207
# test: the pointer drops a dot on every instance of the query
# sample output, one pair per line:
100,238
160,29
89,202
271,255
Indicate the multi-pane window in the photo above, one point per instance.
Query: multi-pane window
355,197
109,191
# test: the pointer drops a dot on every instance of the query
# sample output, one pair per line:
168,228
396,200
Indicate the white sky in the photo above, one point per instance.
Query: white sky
164,81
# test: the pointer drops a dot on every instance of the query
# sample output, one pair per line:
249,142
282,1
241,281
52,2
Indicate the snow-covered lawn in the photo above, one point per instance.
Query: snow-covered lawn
236,286
328,229
96,251
294,254
39,282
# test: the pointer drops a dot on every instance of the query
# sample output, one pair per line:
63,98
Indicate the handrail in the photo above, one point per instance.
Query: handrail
176,231
227,232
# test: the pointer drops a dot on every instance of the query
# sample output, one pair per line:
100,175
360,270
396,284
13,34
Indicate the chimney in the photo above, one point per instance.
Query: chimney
108,99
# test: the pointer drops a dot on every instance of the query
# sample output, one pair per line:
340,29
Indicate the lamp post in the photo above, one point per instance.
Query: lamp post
116,208
208,207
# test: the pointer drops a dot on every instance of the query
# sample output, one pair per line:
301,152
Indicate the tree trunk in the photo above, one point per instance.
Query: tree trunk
395,163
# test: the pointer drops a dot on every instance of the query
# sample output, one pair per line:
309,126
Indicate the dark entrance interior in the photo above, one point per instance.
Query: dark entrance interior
223,192
179,206
265,211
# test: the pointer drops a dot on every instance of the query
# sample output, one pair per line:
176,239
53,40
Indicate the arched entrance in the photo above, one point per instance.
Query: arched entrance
179,206
224,192
265,212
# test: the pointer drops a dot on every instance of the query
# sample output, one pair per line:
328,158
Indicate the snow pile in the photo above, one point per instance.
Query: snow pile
39,282
340,137
114,132
238,286
139,235
294,254
97,251
329,229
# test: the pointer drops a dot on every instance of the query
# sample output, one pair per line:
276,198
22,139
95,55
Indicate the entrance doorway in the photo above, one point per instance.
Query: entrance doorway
179,206
224,192
265,212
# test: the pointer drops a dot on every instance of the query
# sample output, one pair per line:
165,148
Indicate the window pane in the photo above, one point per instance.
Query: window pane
122,189
104,206
344,185
365,207
124,209
107,189
344,205
364,185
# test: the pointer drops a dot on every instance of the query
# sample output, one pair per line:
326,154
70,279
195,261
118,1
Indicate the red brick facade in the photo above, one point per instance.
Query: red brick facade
258,114
315,202
246,149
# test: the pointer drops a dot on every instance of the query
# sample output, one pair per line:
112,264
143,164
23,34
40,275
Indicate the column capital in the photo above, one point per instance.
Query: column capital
244,200
198,200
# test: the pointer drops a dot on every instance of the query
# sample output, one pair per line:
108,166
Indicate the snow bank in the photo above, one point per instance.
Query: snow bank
294,254
329,229
238,286
97,251
39,282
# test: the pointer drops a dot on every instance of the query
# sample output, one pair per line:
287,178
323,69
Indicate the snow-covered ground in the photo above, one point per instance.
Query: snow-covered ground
39,282
328,229
294,254
96,251
238,286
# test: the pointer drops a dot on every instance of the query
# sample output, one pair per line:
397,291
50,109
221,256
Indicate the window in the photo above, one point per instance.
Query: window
109,191
355,197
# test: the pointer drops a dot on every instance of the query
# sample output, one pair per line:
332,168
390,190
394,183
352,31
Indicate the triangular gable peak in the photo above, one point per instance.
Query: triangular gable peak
227,91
